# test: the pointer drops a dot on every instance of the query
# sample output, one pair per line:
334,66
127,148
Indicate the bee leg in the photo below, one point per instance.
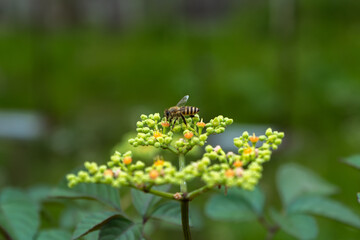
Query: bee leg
183,118
173,125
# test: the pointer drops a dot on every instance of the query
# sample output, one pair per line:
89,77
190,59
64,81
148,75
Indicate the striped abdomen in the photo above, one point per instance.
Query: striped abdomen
186,111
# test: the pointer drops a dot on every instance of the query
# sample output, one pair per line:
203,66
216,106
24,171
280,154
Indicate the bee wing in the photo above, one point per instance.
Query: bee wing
183,101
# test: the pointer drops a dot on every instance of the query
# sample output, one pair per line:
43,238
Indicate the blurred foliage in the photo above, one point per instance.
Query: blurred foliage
91,82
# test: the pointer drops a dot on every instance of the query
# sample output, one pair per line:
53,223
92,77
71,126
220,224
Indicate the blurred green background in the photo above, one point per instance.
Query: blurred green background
76,75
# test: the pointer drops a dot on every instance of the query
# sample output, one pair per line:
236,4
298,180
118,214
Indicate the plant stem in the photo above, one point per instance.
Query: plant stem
185,219
197,192
184,201
155,192
183,186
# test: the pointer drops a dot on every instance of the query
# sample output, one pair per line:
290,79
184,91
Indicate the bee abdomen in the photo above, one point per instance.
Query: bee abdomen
187,110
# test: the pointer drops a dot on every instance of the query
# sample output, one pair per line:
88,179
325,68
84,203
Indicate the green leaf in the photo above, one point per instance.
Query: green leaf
100,192
19,215
39,193
255,198
327,208
53,234
294,181
300,226
229,208
92,222
353,161
169,212
144,202
121,229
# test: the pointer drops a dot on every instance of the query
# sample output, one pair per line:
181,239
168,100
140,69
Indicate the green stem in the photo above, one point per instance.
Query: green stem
197,192
184,201
182,164
155,192
185,219
172,149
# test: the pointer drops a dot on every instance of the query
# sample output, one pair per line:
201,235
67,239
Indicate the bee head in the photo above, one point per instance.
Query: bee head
167,114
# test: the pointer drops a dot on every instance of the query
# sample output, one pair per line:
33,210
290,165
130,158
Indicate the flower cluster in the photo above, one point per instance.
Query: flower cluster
242,169
157,132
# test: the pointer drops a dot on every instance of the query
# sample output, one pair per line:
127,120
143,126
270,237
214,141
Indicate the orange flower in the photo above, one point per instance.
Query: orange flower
248,150
108,172
188,135
159,162
153,174
165,124
157,134
127,160
238,164
253,138
200,124
229,173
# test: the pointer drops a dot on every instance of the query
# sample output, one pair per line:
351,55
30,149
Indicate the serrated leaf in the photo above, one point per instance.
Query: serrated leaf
19,215
54,234
100,192
327,208
120,229
144,202
255,198
92,222
353,161
294,181
229,208
168,212
300,226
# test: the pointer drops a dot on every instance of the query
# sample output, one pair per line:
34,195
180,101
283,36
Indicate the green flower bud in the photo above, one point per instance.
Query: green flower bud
102,168
151,141
274,146
70,177
115,158
151,116
177,128
208,125
110,164
218,130
245,134
205,160
140,165
146,130
213,156
139,130
208,148
272,138
281,135
131,141
203,137
278,141
229,121
139,124
170,134
216,122
238,143
268,132
168,140
265,146
150,123
157,144
157,117
195,140
201,143
160,139
209,130
266,158
143,117
262,137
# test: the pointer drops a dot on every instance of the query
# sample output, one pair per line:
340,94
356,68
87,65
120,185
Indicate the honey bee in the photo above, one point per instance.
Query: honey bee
180,111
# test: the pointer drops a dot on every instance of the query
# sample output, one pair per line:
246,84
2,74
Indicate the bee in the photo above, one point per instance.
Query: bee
180,111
